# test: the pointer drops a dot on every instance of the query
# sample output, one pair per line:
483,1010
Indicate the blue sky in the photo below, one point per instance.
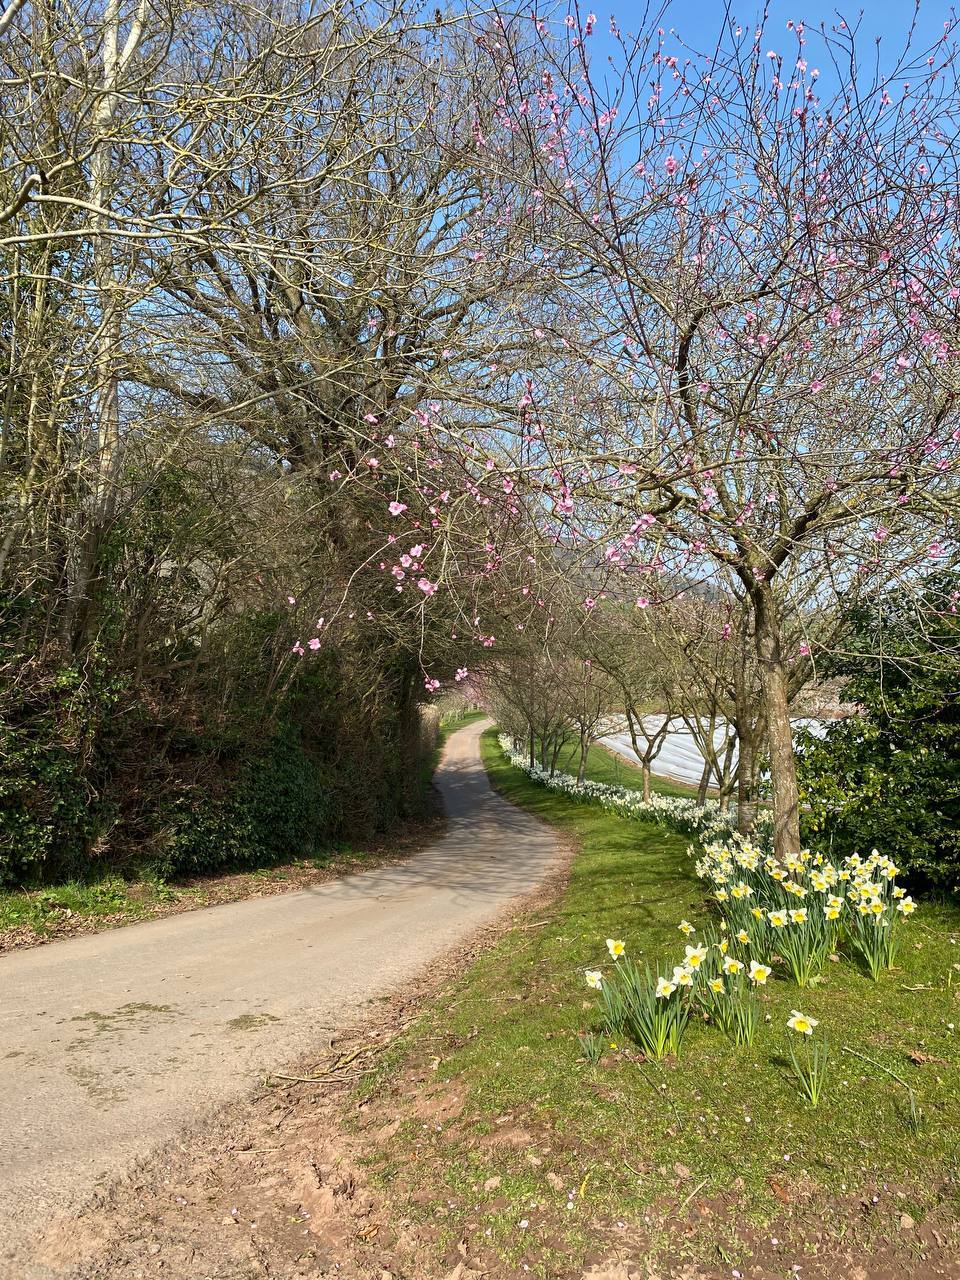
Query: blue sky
699,21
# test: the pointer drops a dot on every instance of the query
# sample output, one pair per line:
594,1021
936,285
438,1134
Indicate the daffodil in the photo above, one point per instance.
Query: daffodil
799,915
831,913
743,937
615,947
694,956
759,973
594,979
778,919
683,976
732,966
665,988
716,985
906,906
686,928
801,1022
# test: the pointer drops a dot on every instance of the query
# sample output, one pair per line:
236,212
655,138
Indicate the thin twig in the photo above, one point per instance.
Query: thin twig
697,1188
879,1066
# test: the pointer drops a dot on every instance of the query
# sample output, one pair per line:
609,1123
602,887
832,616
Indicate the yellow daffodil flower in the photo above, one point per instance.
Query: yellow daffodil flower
800,1022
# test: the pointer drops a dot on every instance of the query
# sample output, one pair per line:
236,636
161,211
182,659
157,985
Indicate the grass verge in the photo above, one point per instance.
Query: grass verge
505,1136
604,765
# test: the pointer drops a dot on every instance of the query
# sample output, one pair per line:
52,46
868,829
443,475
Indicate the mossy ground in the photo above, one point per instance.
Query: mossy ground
544,1156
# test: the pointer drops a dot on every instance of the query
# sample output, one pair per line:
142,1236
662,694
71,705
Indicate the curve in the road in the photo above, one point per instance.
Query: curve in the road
110,1043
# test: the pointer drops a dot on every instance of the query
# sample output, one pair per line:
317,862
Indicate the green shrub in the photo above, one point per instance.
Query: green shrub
890,777
274,808
51,805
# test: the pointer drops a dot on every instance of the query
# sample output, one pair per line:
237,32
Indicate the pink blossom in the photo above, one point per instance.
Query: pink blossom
671,165
313,644
462,674
816,385
416,551
397,508
370,417
298,648
804,649
426,586
291,599
431,684
642,602
589,603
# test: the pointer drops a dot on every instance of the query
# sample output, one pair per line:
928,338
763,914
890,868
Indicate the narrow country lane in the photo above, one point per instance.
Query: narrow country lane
109,1043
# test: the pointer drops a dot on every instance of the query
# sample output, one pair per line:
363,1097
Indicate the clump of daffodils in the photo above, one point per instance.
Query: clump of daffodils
654,1009
801,907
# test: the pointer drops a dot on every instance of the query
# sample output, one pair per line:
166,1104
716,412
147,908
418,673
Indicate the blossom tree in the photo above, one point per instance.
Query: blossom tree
759,334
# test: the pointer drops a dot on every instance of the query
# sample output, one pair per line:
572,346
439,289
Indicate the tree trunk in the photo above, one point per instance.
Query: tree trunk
726,775
746,803
533,749
783,765
584,752
645,771
704,781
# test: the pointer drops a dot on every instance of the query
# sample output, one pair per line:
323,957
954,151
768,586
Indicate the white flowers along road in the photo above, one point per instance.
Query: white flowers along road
680,758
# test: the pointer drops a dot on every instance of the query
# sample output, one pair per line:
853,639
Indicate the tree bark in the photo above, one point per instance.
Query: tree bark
726,775
704,780
783,765
746,804
584,751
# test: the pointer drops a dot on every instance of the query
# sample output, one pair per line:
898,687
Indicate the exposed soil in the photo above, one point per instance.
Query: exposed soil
193,893
279,1187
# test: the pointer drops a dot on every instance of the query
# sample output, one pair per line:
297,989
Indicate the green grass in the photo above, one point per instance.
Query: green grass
634,1140
42,909
604,765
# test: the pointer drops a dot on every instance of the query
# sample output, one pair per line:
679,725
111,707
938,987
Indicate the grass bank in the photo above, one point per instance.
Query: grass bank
604,765
512,1142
